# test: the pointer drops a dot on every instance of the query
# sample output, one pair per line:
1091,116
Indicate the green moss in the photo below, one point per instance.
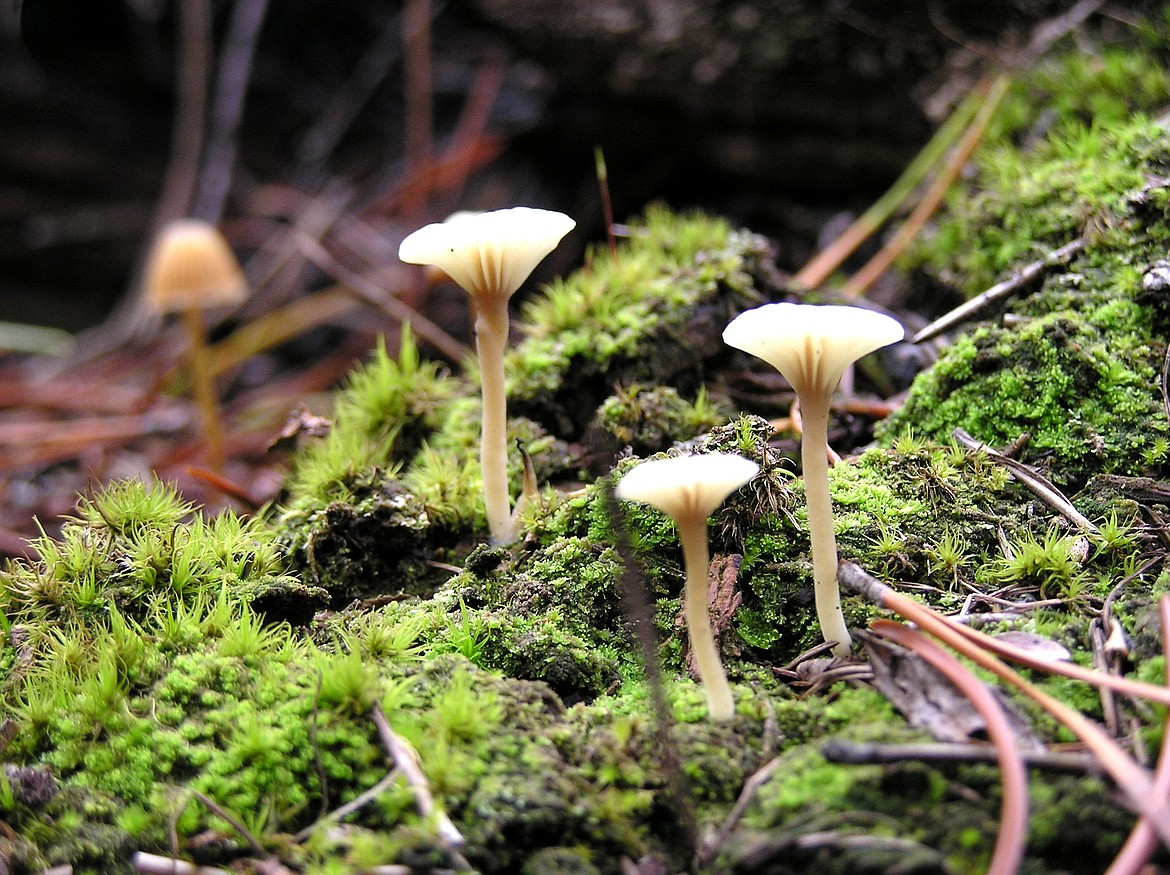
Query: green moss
649,419
651,316
388,407
1078,369
1039,372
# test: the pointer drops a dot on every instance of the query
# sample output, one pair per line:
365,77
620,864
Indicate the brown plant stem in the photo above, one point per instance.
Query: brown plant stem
1142,841
203,388
855,578
406,764
416,39
822,265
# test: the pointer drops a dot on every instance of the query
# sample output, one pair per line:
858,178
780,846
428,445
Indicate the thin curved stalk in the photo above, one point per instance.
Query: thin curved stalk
814,462
876,266
832,256
1013,819
1134,781
854,576
491,339
693,535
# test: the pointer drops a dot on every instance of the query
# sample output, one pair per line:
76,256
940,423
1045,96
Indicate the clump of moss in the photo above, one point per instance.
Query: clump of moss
1081,386
381,417
647,420
652,315
137,545
1077,369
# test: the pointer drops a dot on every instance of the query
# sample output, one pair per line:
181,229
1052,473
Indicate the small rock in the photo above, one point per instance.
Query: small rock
1157,277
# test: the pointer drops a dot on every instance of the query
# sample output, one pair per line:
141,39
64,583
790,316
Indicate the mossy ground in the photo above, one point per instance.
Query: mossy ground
152,653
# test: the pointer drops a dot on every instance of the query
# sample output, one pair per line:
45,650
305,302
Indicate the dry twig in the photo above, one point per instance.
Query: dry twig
709,849
839,750
405,762
1142,841
1033,480
1000,291
877,265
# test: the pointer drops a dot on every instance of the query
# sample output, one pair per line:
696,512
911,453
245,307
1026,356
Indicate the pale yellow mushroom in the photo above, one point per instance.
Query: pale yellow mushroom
490,255
688,489
812,345
190,269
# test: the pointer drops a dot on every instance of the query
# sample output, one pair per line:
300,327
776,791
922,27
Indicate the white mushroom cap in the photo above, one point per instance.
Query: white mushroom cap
811,344
191,266
686,486
488,254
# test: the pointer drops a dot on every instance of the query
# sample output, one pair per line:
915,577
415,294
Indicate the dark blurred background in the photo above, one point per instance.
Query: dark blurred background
785,115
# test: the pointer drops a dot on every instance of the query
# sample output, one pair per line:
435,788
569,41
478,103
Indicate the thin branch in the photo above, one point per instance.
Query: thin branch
382,299
405,762
854,577
1165,379
227,108
193,72
606,203
236,824
1142,841
371,69
354,804
1134,781
1032,479
839,750
1002,290
711,847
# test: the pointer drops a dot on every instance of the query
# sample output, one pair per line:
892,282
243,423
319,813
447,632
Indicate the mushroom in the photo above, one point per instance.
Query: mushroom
190,269
490,255
811,346
688,489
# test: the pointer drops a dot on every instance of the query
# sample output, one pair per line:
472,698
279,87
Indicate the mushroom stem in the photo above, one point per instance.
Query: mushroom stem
203,387
814,458
692,533
491,339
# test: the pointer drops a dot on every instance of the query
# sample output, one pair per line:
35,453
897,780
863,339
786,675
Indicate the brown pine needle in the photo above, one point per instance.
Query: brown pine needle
606,203
1013,821
1140,845
864,278
1134,781
832,256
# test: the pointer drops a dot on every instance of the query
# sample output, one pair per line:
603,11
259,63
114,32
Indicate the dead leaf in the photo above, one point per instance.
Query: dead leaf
929,701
